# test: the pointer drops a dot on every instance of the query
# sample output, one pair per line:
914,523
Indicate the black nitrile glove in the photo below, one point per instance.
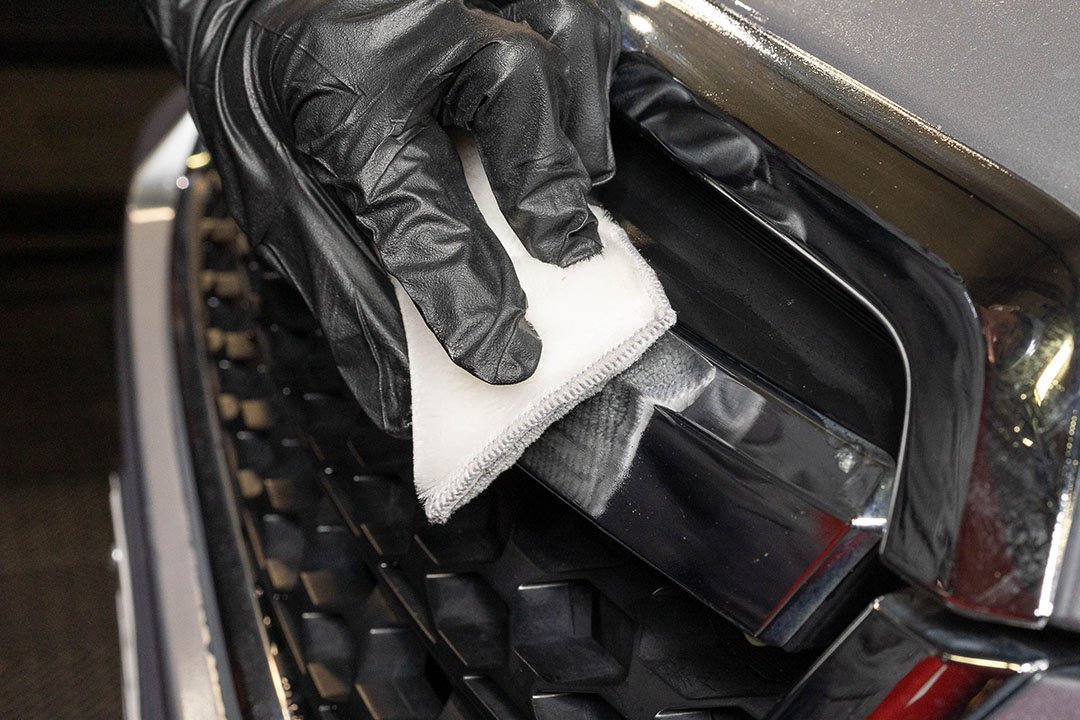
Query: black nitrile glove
326,120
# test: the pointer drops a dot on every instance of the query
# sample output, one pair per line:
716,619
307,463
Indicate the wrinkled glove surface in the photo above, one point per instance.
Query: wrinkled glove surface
328,122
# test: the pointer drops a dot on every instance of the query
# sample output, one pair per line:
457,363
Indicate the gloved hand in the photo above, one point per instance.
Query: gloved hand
327,122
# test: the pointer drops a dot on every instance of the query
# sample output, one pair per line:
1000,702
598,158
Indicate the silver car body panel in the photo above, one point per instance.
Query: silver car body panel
999,77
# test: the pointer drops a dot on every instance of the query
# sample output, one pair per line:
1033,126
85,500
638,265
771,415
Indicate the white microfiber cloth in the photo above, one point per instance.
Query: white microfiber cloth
595,318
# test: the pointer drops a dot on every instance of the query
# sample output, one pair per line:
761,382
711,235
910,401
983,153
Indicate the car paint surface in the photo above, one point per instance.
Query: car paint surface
1000,77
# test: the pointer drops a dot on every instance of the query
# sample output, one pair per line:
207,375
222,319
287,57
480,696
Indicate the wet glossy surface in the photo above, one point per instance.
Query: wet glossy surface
839,471
907,658
756,504
984,504
738,288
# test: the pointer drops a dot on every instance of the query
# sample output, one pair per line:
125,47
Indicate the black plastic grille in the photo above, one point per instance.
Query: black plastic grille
517,608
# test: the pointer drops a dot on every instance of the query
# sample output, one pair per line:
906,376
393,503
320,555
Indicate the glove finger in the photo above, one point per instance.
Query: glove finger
433,239
589,34
510,94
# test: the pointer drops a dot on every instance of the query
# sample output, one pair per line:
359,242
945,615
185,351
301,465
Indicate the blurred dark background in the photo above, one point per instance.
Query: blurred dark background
76,79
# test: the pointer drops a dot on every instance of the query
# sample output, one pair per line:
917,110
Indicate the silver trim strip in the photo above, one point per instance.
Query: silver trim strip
125,605
194,656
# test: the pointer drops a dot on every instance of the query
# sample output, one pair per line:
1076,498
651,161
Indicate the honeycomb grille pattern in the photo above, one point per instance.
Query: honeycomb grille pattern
517,608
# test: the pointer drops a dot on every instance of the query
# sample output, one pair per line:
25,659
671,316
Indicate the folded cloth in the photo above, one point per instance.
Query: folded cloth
587,455
595,318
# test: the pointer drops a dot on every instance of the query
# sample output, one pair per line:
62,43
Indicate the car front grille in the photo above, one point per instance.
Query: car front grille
517,608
